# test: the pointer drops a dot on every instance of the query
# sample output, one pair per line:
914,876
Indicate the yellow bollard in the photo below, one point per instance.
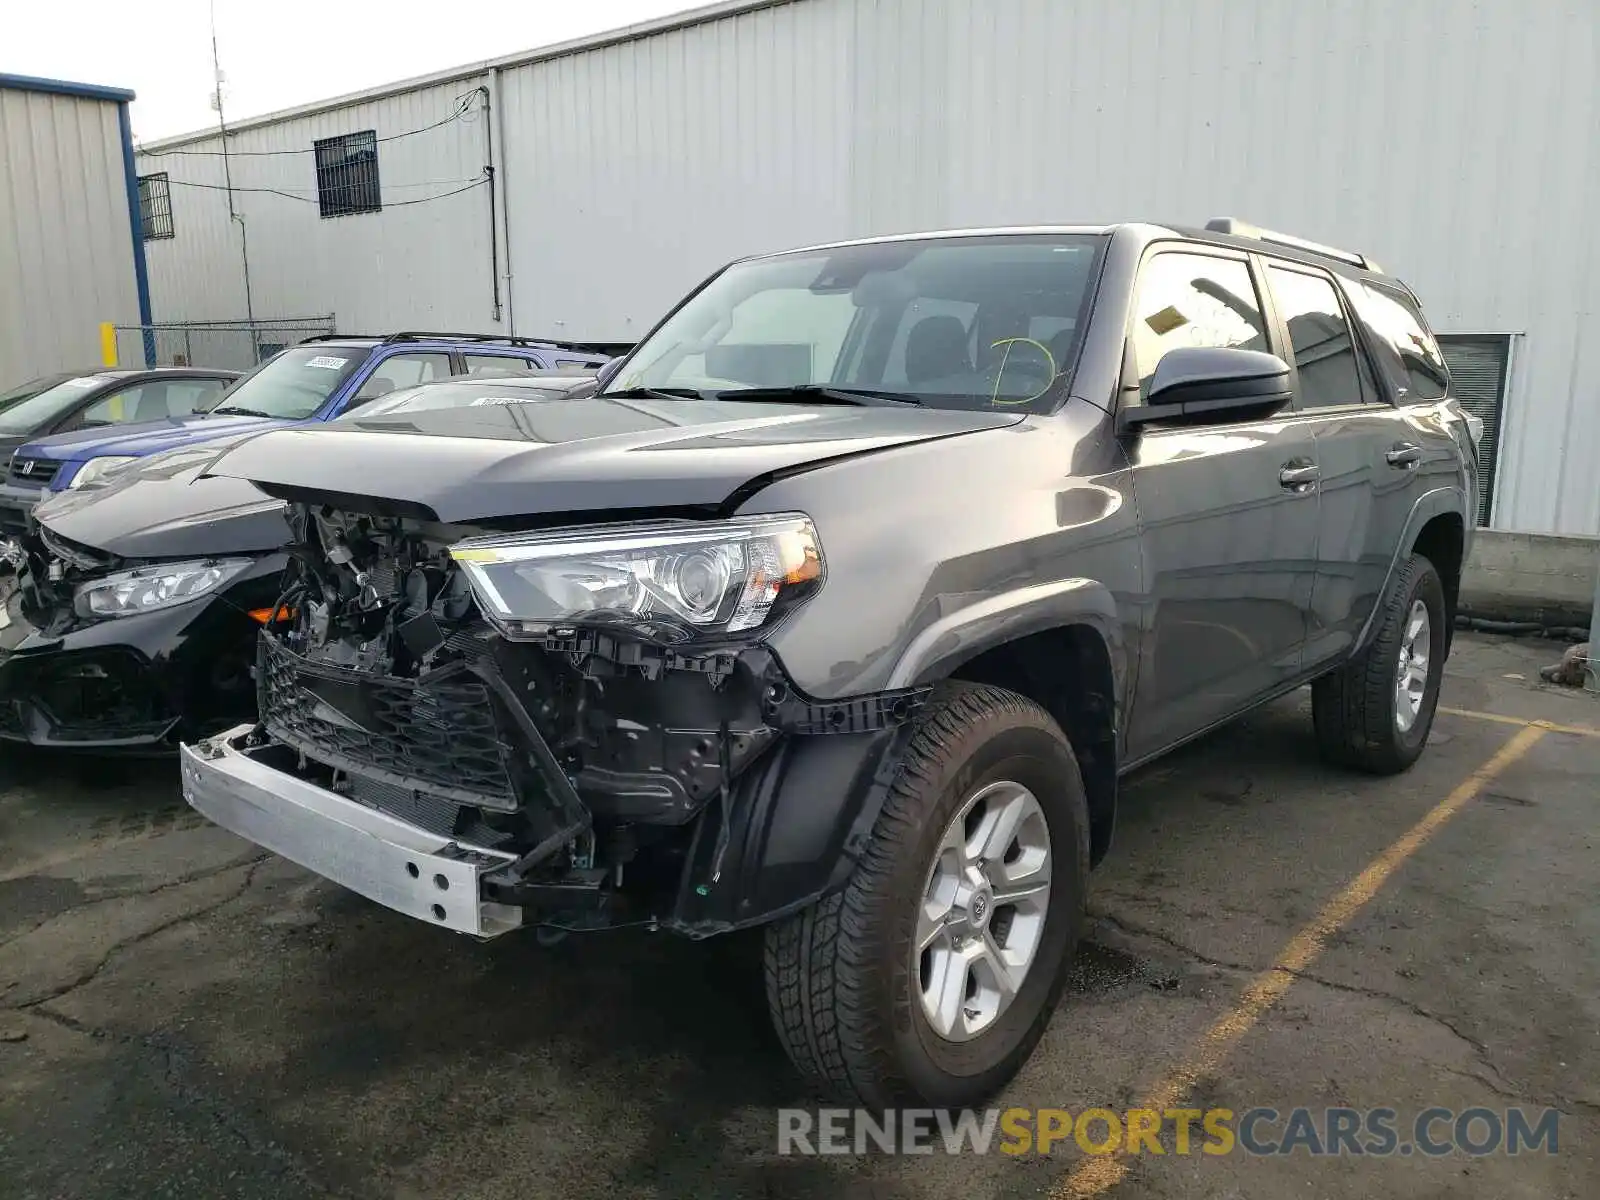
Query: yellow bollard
108,344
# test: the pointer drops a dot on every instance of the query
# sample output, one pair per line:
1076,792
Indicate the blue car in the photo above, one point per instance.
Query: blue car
317,380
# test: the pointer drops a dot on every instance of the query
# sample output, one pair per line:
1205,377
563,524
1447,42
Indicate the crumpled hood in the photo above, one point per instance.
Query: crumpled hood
145,438
587,455
167,508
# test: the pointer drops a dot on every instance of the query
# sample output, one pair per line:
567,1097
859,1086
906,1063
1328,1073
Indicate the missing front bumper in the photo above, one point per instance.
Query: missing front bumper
389,861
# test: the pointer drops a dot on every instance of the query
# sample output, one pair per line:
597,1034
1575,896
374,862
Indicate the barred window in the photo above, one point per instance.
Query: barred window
347,174
155,206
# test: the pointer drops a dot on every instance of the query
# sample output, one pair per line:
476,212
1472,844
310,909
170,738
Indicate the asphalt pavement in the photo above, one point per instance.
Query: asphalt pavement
182,1015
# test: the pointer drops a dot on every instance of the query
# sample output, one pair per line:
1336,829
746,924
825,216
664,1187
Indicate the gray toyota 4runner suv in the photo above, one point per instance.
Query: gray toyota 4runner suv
844,604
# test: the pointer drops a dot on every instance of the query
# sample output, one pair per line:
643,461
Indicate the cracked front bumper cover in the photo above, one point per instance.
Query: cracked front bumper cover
387,860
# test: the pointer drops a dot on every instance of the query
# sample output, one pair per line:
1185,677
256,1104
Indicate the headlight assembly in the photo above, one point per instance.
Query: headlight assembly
720,578
93,473
146,589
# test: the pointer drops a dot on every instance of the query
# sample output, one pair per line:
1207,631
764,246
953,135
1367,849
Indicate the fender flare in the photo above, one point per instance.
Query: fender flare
802,817
1440,501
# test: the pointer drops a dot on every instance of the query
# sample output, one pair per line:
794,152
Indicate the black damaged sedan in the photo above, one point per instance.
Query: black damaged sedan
131,623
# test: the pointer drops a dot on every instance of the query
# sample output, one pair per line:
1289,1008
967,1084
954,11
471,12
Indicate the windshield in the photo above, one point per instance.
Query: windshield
292,384
27,415
961,322
32,388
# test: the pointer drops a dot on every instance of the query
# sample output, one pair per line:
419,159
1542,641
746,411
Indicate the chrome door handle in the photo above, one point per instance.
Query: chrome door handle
1299,478
1404,455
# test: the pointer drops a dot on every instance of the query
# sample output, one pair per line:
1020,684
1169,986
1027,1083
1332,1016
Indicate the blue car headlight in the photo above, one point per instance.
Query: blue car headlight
94,472
687,579
146,589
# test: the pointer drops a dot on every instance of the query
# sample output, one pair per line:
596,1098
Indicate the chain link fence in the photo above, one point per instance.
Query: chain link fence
234,345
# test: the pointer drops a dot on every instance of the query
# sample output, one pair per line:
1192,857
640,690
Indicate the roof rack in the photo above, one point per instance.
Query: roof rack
1238,228
505,339
502,339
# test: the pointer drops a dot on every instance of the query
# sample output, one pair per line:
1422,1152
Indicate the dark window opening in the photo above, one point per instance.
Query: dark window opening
155,206
1480,371
347,174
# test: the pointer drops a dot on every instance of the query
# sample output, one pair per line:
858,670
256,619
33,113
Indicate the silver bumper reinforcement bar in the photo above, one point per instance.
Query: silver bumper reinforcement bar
393,862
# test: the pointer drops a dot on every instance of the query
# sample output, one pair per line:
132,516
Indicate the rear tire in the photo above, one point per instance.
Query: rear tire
844,983
1363,715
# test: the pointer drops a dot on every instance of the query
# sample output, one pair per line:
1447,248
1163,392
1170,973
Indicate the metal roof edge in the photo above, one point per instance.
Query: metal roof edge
65,87
638,31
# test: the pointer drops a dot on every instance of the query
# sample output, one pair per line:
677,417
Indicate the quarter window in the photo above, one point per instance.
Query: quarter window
1319,336
1193,300
1407,348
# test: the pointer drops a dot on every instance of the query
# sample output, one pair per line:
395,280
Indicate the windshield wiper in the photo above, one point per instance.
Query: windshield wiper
235,410
652,393
811,393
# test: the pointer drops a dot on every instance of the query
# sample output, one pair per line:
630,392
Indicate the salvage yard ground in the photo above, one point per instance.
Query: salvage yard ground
183,1016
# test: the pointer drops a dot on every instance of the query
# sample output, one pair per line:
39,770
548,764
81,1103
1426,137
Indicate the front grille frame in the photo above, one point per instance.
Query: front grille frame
42,475
442,735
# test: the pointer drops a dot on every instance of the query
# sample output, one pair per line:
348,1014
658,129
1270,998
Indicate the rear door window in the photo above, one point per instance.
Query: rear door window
1325,356
497,364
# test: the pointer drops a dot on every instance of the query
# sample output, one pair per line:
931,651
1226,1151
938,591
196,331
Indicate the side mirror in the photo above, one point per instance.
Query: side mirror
1211,382
608,371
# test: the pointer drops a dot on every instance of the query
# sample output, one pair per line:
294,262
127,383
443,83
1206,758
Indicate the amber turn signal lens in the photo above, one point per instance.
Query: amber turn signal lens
264,616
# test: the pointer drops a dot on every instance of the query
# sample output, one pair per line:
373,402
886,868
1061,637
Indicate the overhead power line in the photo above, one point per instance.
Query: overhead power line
266,191
462,108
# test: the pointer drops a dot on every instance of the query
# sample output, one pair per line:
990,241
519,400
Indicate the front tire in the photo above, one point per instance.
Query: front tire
1375,712
931,977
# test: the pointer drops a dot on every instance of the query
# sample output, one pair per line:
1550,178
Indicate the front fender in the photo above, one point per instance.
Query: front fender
967,632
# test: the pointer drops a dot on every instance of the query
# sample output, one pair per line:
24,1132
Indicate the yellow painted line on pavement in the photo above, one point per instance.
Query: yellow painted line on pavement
1501,719
1092,1176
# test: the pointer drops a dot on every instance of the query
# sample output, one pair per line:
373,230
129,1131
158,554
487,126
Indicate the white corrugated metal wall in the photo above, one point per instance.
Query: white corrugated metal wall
66,242
1454,141
411,265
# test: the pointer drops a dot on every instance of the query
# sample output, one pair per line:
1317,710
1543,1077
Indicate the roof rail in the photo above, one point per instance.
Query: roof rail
1238,228
505,339
501,339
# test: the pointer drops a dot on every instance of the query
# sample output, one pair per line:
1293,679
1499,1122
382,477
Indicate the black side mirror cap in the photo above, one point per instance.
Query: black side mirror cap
1195,382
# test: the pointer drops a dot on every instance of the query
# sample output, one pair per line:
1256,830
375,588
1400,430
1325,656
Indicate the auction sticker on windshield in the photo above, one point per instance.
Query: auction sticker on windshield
327,362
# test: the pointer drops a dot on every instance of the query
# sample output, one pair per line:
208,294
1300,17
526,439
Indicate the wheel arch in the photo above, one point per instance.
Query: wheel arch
1068,670
1442,540
1437,528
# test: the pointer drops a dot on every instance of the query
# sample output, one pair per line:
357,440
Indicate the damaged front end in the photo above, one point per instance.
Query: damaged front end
575,728
102,652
